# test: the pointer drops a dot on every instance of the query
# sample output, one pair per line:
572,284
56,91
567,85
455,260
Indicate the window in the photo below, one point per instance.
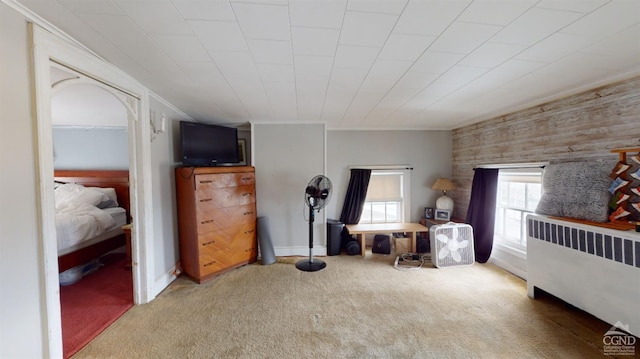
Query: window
387,197
519,191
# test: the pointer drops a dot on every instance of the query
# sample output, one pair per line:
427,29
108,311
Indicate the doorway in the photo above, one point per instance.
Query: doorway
49,51
90,125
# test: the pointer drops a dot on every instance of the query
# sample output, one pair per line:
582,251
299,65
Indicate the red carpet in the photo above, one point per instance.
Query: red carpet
92,304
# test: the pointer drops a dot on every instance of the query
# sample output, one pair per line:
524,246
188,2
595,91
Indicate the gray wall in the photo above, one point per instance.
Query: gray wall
287,157
428,152
77,148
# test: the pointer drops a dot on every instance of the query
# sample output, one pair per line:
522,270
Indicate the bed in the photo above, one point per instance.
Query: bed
104,236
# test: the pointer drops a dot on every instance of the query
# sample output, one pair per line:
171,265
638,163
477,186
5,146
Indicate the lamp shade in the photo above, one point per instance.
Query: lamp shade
443,184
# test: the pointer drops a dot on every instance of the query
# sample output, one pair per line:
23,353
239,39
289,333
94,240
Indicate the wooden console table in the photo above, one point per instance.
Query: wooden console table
359,230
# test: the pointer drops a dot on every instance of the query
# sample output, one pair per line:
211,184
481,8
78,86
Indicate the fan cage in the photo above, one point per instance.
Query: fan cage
467,254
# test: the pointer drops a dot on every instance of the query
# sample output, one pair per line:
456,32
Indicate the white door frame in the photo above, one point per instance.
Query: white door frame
47,48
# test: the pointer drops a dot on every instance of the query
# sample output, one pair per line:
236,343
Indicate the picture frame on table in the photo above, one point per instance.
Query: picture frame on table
242,151
442,214
428,212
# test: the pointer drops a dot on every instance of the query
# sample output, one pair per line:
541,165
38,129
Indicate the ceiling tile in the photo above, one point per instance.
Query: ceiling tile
347,78
379,6
389,70
436,62
572,5
131,40
325,14
313,65
486,11
463,37
508,72
231,62
203,73
416,80
627,41
156,17
269,22
429,17
314,41
366,29
271,51
607,20
535,25
554,47
219,10
276,73
182,48
405,47
336,104
355,57
219,35
97,7
492,54
455,78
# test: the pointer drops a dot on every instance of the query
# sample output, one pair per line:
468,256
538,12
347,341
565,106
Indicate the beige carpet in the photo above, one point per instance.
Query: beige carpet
355,308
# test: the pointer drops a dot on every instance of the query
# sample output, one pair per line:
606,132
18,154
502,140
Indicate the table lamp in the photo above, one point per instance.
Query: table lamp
444,185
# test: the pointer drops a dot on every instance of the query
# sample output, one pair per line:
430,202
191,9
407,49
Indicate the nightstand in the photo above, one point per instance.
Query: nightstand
127,235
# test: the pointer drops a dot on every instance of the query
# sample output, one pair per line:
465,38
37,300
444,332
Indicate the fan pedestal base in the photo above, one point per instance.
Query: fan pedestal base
308,266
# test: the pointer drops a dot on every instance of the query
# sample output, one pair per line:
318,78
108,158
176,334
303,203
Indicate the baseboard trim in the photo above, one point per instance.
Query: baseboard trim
509,268
163,282
299,251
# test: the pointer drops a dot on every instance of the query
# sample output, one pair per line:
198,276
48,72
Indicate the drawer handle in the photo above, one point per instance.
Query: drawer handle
246,194
208,243
206,200
246,178
210,263
247,213
207,221
249,231
207,181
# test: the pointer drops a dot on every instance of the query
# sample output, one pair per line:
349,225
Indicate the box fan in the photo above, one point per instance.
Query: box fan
451,245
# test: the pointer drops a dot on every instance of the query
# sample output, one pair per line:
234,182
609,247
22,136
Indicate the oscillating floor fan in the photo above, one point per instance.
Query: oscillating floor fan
316,196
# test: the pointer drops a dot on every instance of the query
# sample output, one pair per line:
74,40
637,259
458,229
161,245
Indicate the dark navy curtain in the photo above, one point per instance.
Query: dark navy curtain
481,214
356,194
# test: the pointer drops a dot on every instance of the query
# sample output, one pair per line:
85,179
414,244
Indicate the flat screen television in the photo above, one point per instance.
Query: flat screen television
208,145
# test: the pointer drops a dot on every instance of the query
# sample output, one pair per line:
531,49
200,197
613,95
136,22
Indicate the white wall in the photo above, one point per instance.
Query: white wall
164,147
22,331
428,152
287,157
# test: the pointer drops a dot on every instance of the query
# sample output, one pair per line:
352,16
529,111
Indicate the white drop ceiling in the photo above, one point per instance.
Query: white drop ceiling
379,64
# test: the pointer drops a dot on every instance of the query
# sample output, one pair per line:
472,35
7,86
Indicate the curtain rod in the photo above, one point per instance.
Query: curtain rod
513,165
384,167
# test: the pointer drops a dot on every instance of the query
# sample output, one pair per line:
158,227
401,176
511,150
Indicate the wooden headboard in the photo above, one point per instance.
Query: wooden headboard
116,179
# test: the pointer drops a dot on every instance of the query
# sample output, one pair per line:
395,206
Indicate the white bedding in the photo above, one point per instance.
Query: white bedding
79,220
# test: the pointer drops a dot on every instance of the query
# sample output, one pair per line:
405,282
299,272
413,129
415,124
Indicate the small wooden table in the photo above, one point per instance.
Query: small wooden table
359,230
127,235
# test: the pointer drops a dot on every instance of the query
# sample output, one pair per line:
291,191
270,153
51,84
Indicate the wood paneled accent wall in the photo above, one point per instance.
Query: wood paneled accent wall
583,126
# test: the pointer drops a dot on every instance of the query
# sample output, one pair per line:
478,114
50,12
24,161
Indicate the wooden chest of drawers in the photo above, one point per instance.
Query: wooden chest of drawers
216,219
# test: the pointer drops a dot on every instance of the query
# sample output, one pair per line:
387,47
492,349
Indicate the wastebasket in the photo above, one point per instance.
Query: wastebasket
334,240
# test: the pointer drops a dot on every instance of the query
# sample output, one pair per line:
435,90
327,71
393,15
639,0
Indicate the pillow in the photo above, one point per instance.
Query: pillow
111,193
576,190
71,192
